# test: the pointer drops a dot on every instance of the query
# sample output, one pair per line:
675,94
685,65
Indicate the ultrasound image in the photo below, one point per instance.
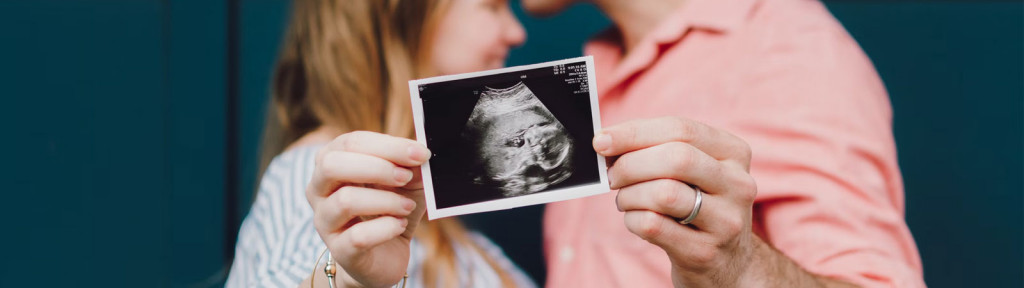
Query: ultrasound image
522,147
507,135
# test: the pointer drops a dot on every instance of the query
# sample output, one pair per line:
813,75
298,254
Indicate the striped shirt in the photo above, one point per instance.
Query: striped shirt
277,243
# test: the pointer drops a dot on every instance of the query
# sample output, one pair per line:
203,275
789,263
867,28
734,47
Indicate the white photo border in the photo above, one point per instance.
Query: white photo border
567,193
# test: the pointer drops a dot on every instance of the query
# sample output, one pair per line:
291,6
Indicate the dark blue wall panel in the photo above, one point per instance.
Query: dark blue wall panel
85,167
262,28
116,160
196,129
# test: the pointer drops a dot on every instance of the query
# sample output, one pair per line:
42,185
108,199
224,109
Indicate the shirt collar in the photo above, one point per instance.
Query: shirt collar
721,16
717,15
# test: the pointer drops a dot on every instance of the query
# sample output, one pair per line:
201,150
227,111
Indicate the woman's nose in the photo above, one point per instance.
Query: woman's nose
514,33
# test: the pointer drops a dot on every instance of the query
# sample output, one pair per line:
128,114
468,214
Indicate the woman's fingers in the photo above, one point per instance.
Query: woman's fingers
401,151
349,202
340,167
367,158
367,234
417,181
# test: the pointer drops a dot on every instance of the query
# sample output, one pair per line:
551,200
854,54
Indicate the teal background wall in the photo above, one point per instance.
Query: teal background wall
132,131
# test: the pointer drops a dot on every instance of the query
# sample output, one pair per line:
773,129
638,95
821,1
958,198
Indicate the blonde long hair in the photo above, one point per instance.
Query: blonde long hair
346,64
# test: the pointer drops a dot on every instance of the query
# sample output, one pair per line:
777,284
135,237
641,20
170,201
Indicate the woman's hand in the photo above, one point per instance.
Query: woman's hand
367,198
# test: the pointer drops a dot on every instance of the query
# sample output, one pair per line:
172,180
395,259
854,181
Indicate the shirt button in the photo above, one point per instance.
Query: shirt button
565,254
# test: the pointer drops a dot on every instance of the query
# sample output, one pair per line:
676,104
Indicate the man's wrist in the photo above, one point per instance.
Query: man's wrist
758,271
770,268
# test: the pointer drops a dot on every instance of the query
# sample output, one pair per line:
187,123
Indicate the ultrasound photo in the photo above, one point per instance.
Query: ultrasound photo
509,137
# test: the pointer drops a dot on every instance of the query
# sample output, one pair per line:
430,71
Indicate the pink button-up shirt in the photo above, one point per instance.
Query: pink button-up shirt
785,76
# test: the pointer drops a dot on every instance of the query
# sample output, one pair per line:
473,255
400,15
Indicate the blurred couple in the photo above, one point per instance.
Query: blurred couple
750,140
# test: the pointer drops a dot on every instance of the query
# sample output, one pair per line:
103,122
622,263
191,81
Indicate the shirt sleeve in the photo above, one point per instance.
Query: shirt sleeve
830,194
276,245
496,253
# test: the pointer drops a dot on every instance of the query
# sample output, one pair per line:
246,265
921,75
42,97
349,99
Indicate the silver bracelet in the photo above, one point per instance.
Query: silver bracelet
332,271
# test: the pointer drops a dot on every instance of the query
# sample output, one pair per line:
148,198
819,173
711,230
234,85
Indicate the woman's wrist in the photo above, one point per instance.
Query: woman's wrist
319,279
345,280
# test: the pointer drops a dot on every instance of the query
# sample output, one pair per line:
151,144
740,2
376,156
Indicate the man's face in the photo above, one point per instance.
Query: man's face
545,7
525,151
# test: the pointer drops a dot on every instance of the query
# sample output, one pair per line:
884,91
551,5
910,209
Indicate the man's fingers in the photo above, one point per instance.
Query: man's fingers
368,234
639,134
665,196
676,200
401,151
672,160
663,231
350,202
338,167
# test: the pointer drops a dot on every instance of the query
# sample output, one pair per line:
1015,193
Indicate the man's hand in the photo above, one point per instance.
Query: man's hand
658,166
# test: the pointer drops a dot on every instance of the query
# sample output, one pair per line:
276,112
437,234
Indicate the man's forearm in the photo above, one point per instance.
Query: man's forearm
771,268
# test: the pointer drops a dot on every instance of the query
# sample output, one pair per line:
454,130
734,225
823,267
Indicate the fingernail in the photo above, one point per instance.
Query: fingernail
404,222
418,154
602,142
408,204
402,175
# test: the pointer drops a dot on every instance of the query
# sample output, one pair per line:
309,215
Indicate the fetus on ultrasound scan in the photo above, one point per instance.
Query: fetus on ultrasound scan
521,148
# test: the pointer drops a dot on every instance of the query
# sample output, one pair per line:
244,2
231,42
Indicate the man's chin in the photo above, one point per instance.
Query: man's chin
545,7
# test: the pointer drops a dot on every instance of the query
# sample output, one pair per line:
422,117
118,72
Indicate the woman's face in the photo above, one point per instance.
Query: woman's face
475,35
